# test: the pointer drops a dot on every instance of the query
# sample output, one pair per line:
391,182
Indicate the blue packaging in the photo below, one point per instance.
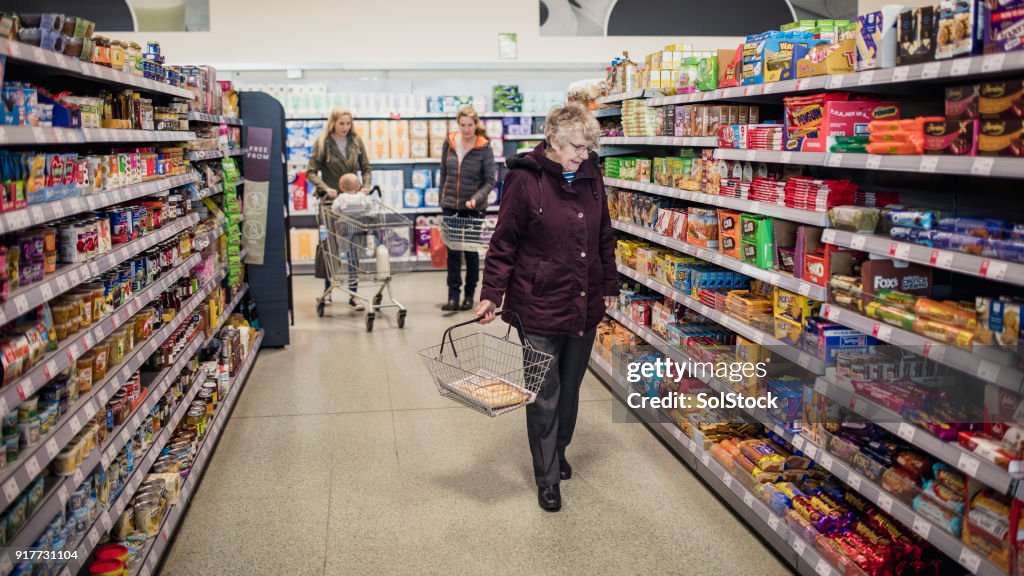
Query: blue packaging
412,198
421,178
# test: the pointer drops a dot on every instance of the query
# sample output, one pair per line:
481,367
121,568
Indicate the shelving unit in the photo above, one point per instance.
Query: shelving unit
35,460
214,119
942,540
772,156
960,262
421,116
608,112
518,137
788,351
73,67
213,154
699,142
45,136
751,206
982,362
772,277
952,165
49,211
157,546
631,95
772,528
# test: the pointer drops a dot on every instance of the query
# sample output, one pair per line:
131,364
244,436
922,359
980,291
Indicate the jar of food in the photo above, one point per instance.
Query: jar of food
212,387
125,524
84,365
197,417
66,462
99,360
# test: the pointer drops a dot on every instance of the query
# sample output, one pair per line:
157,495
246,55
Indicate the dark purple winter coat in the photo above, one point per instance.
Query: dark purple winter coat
552,256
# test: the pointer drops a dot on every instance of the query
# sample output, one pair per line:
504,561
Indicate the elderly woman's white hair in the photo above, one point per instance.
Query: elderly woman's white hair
571,122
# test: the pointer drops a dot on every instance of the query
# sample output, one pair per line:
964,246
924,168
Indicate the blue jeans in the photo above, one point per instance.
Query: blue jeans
455,263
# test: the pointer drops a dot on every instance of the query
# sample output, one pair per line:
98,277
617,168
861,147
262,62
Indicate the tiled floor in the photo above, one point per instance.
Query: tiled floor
341,458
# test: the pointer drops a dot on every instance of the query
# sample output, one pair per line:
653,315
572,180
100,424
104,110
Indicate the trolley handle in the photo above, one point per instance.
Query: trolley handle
377,190
447,337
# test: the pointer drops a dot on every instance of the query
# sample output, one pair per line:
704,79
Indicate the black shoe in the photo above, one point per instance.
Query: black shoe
564,470
467,304
549,498
451,306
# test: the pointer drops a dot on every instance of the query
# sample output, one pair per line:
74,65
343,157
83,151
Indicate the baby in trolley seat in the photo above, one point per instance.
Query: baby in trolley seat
352,202
351,199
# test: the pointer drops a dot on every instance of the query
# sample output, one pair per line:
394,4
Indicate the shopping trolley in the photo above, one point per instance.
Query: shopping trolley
466,234
487,373
358,247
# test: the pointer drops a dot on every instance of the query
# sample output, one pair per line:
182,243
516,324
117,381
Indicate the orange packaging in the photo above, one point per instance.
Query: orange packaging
944,333
895,148
945,313
729,233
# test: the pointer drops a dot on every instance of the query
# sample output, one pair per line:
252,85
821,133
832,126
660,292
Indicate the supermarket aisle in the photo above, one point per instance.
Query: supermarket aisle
341,458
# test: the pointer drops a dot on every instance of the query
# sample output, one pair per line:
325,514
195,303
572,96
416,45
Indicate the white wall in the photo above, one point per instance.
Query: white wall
872,5
262,34
297,32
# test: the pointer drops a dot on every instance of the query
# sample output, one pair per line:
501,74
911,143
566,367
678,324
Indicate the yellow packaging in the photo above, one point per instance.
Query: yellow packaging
788,330
362,128
380,129
791,306
838,58
378,149
398,129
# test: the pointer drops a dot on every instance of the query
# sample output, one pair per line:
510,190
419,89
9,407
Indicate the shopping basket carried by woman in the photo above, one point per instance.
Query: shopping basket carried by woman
356,244
466,234
488,373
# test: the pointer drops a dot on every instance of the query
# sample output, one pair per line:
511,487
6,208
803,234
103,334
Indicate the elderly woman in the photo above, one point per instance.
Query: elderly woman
551,260
337,152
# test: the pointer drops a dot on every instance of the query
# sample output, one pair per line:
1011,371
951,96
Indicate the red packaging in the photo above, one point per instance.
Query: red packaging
813,128
951,138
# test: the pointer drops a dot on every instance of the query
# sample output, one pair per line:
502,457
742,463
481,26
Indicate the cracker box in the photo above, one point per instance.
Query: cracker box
421,178
823,416
787,330
916,31
1001,137
886,275
412,198
961,28
792,306
876,38
951,137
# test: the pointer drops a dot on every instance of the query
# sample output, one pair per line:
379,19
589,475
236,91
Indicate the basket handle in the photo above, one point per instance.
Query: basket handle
447,337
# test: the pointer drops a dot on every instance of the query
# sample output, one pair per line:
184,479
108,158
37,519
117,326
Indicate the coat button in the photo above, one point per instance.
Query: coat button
583,254
581,214
580,333
583,294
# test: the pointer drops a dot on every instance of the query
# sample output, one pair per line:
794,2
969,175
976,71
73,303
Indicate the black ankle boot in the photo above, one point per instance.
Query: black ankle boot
451,306
467,304
564,470
549,498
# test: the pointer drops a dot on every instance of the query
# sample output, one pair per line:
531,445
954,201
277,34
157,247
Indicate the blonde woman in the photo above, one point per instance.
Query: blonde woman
337,152
467,178
552,261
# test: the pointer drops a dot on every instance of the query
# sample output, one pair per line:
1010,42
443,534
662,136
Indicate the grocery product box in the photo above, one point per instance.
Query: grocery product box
790,394
836,58
431,198
962,102
822,416
1001,137
419,148
378,149
399,148
1001,99
1002,27
398,129
951,137
438,129
730,67
419,129
792,306
702,227
380,129
412,198
828,340
961,28
841,118
436,147
877,38
421,178
916,29
729,233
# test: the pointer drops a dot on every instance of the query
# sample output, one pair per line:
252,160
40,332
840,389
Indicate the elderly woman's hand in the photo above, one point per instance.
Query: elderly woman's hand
332,193
485,311
609,301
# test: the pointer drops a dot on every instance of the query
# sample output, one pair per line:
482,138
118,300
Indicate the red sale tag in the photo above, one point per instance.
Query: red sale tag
984,268
927,349
874,330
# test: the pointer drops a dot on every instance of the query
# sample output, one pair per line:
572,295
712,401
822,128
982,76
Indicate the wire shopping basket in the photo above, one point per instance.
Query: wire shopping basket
487,373
466,234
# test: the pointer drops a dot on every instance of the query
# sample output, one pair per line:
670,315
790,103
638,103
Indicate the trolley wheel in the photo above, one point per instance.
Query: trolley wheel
369,322
320,308
401,319
377,300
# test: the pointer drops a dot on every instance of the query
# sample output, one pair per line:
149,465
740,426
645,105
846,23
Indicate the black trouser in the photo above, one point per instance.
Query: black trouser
551,419
455,263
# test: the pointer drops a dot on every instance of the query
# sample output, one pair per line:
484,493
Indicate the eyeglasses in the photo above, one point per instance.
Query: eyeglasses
582,149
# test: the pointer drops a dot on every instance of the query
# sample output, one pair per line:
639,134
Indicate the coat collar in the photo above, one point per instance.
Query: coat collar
481,141
587,170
